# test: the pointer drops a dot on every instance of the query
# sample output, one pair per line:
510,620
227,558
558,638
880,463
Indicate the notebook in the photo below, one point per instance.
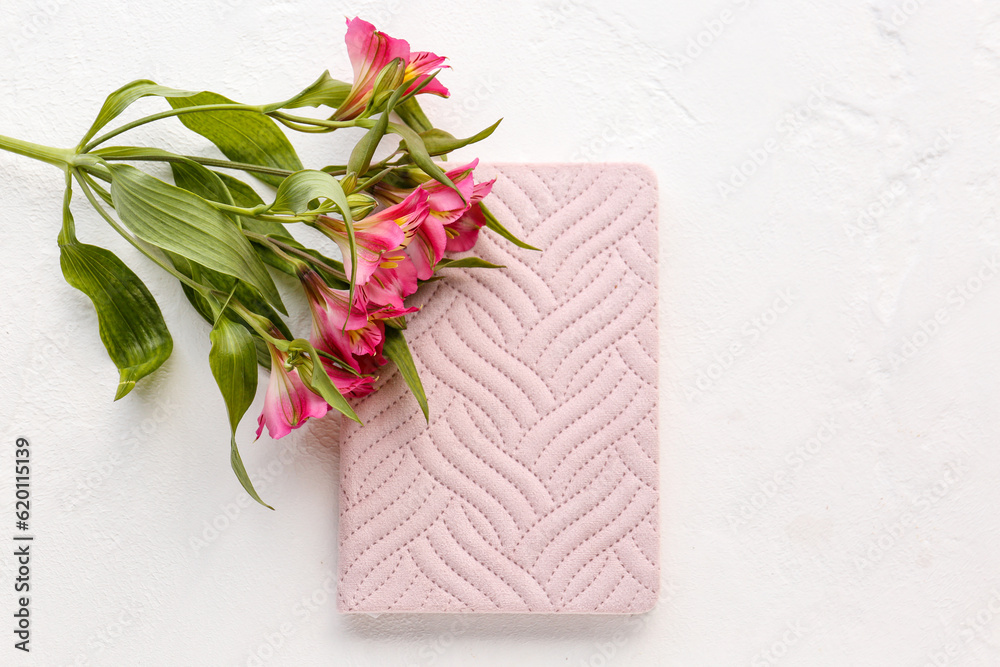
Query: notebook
534,488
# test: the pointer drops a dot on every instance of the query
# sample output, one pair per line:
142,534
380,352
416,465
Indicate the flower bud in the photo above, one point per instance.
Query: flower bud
388,80
361,205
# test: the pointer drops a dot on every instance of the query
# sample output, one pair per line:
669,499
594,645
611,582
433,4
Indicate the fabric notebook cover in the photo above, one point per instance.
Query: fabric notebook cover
534,488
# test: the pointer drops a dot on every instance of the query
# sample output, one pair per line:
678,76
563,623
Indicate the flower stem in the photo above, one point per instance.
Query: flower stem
60,157
281,248
318,122
206,161
167,114
258,323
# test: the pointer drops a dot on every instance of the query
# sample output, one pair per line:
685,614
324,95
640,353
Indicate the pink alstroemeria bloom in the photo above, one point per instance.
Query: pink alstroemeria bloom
464,232
330,307
288,403
427,247
338,329
347,383
389,286
444,203
355,386
452,224
388,312
377,234
371,50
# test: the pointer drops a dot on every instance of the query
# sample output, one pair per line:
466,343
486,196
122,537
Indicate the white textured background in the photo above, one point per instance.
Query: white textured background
830,431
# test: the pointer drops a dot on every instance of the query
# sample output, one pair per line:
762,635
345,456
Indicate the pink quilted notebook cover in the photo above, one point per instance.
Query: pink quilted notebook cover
534,488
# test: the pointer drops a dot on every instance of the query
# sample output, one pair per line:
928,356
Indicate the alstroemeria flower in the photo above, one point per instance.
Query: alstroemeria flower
338,329
288,403
389,286
330,307
371,50
377,234
464,232
427,247
389,312
444,203
347,383
452,224
357,386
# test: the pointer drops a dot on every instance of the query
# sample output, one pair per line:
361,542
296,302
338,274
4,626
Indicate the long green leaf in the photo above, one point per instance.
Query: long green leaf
245,196
240,290
241,136
439,142
418,153
233,360
299,190
119,100
325,91
467,263
494,224
188,174
174,219
413,115
129,320
361,156
395,348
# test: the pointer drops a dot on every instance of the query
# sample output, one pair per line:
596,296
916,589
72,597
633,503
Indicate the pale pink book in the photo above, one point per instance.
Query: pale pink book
534,486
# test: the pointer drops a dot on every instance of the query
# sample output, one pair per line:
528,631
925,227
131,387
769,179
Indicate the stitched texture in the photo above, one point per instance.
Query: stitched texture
534,487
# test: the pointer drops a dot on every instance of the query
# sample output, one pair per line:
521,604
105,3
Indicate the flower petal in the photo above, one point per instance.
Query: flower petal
464,232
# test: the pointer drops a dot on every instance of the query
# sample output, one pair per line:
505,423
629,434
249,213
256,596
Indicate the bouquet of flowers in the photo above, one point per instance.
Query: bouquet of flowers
392,221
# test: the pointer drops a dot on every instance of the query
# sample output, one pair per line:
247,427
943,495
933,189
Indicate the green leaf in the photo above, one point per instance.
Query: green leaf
315,378
395,348
241,473
467,263
188,174
263,353
301,188
245,196
233,360
494,224
298,191
119,100
245,294
234,367
129,320
361,156
240,135
174,219
411,113
325,91
439,142
418,153
97,187
203,182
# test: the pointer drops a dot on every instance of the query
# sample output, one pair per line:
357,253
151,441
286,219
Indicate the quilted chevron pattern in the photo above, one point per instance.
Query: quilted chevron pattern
534,488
